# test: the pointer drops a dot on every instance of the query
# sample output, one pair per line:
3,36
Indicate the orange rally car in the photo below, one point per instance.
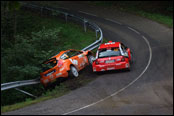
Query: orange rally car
66,63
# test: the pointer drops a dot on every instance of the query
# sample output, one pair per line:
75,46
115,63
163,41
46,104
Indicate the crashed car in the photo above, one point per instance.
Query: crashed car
112,56
65,64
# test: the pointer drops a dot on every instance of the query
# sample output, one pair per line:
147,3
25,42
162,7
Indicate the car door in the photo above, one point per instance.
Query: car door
74,58
127,50
83,60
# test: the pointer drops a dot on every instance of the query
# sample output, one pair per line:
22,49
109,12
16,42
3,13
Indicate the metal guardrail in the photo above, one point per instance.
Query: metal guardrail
16,84
85,22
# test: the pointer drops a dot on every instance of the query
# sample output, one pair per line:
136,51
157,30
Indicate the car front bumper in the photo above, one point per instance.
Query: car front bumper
116,66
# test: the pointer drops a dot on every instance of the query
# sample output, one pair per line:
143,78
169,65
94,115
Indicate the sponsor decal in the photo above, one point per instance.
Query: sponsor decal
102,61
85,59
58,74
82,64
74,61
101,66
118,59
118,64
111,68
109,43
61,69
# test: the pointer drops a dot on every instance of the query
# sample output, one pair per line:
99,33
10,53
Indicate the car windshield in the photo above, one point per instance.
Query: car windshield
70,54
49,64
111,52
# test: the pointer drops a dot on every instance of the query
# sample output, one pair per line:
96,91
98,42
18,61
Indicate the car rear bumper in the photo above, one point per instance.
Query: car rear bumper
116,66
52,78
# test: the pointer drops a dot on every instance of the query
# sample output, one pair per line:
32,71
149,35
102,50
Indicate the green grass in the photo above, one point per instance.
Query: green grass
57,92
160,18
157,17
144,9
60,90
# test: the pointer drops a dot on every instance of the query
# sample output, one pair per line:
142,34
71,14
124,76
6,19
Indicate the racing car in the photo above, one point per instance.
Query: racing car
65,64
112,56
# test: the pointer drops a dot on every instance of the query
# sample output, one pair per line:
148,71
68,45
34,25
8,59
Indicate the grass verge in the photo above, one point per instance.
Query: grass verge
65,87
162,19
140,8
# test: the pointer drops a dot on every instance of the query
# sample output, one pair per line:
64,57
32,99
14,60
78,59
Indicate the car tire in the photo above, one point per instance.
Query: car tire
129,68
90,59
73,72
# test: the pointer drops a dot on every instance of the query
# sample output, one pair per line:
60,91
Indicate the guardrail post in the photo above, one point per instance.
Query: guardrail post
41,10
85,21
25,92
96,32
66,17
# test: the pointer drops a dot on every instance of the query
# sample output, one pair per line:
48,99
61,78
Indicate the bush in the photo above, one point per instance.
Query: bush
23,59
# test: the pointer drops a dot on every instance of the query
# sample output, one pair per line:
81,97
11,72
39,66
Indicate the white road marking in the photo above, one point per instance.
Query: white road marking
113,21
88,13
150,58
134,30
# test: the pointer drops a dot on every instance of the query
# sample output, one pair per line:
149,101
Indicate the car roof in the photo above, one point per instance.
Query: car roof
57,56
109,45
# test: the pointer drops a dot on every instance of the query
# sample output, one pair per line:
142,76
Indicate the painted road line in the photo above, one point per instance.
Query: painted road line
87,13
113,21
134,30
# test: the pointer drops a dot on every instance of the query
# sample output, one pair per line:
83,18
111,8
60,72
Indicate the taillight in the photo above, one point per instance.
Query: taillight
123,59
60,63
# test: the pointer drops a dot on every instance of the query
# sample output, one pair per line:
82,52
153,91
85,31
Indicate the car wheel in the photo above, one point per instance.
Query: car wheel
90,59
73,72
129,68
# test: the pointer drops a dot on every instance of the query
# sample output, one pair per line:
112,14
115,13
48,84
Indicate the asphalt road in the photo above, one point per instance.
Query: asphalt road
146,89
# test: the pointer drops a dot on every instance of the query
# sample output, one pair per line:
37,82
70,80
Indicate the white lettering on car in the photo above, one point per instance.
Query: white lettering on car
118,59
58,74
61,69
109,43
74,61
111,68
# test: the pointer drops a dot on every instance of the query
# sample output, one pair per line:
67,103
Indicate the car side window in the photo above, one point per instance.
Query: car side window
64,56
123,46
70,54
73,53
123,49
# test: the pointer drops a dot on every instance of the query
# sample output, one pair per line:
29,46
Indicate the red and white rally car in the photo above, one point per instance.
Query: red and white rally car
112,56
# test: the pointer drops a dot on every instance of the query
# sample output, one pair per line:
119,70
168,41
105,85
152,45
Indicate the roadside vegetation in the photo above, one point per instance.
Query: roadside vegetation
28,39
59,90
159,11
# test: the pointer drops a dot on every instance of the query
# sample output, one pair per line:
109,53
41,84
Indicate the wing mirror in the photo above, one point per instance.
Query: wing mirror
126,55
93,59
